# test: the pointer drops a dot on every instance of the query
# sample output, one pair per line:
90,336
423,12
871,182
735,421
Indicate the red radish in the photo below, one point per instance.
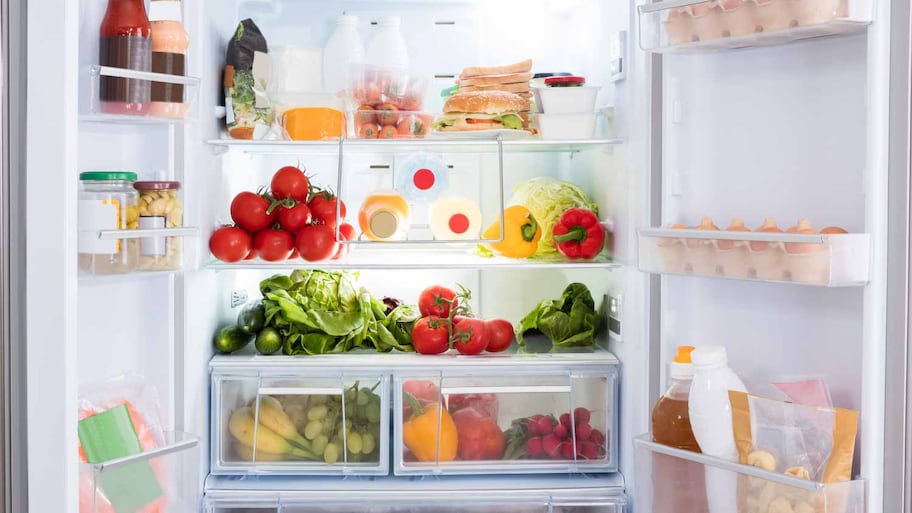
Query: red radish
561,431
532,425
534,446
551,446
567,449
581,415
565,421
597,437
590,451
583,431
579,448
545,425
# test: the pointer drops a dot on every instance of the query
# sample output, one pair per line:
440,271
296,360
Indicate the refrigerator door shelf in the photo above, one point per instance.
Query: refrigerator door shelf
169,254
668,479
508,422
282,423
399,146
806,259
96,111
696,26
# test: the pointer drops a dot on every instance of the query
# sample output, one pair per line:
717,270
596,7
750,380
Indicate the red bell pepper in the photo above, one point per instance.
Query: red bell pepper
578,234
480,438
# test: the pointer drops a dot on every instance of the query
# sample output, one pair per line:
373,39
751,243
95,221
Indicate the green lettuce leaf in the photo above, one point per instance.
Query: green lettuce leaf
512,121
570,321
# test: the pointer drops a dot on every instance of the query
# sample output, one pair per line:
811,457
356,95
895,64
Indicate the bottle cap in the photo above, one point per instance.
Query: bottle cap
165,10
384,224
348,20
709,357
681,366
683,355
388,21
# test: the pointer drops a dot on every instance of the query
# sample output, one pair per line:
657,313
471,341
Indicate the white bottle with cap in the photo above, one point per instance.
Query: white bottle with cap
711,420
387,47
343,49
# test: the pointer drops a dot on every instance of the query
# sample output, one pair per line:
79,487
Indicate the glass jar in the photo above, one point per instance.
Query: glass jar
160,207
107,201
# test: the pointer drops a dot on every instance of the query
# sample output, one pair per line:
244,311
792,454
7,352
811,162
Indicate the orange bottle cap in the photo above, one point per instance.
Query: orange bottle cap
683,355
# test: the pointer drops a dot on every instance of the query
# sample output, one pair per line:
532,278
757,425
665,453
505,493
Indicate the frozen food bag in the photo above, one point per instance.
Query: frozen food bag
249,112
811,390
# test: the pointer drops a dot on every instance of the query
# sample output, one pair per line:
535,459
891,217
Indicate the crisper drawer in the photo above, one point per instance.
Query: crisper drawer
505,421
284,424
671,480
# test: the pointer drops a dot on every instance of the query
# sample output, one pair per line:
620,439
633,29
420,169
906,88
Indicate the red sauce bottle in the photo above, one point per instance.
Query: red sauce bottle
126,42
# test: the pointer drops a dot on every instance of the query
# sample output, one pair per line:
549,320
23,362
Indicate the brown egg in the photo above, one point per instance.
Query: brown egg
737,225
768,226
803,226
833,230
705,224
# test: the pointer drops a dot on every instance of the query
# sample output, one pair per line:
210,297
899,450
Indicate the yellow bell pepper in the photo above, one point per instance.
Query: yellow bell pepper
521,233
420,433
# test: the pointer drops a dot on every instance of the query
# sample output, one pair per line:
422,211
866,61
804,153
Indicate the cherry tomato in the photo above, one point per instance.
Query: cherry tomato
500,334
469,336
387,114
387,132
316,242
294,218
323,209
290,182
248,210
229,244
436,300
368,131
365,114
273,245
430,335
346,232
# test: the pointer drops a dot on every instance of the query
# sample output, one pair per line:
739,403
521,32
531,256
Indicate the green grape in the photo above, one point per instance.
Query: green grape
351,394
354,458
313,429
316,400
331,454
353,413
368,443
364,396
319,444
362,412
372,413
317,412
354,443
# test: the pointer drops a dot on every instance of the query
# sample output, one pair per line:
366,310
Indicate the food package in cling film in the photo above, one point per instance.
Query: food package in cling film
248,68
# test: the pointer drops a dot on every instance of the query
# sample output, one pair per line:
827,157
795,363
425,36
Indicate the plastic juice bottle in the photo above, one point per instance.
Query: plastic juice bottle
343,49
387,47
679,486
384,216
125,42
169,49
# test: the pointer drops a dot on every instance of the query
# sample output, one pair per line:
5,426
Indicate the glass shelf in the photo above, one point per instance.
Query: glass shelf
400,146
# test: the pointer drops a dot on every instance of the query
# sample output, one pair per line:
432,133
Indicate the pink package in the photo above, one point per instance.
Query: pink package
807,390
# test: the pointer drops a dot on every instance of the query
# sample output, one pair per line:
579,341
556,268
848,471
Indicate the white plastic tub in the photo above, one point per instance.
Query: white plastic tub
565,100
564,127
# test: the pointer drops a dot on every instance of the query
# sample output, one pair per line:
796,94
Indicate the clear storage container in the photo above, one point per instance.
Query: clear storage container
107,201
159,207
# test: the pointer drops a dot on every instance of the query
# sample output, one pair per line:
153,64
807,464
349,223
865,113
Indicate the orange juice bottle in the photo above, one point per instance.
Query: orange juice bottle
384,216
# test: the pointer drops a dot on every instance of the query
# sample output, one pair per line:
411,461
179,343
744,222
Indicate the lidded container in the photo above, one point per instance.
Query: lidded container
160,207
107,201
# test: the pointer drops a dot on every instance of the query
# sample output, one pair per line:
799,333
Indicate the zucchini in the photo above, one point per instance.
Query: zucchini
252,317
230,339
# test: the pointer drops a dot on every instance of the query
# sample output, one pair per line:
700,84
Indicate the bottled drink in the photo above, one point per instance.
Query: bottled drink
126,42
343,49
169,49
387,47
384,216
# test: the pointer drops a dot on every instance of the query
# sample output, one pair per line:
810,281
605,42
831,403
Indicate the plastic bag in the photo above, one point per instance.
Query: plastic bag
248,68
810,390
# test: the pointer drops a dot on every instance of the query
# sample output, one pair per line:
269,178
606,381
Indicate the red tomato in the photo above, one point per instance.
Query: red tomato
290,182
294,254
486,404
365,114
436,300
323,209
387,114
368,130
469,336
500,334
431,336
294,218
273,245
248,210
229,244
459,318
413,124
346,232
480,438
387,132
316,242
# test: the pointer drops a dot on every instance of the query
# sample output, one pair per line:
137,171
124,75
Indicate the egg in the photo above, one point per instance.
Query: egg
803,227
664,242
768,226
705,224
833,230
737,225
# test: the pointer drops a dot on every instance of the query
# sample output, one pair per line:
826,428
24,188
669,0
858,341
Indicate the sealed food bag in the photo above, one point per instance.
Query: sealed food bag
248,67
811,390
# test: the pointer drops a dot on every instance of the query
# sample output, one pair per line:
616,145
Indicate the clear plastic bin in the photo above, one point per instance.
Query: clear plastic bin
279,424
829,260
390,123
510,422
165,479
670,479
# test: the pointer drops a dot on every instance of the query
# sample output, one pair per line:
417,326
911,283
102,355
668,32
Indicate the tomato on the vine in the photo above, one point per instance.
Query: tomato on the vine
229,244
316,242
469,336
500,334
430,335
323,208
290,182
346,232
249,212
273,245
294,218
437,300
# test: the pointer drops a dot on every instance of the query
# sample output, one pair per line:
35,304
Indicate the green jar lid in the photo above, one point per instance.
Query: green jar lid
107,176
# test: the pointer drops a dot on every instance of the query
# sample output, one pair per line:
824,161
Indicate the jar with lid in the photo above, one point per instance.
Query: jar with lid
107,201
159,207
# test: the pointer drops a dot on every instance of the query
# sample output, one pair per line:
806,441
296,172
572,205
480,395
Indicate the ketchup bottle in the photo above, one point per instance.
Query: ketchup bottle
126,42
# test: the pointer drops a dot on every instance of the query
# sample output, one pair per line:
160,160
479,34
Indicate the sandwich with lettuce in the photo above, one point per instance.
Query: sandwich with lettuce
482,110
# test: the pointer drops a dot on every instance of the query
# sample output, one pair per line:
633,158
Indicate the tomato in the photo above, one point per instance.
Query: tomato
294,218
436,300
290,182
248,210
484,403
500,334
273,245
368,131
294,254
316,242
346,232
365,114
229,244
387,132
469,336
425,392
459,318
413,124
323,209
480,438
431,336
387,114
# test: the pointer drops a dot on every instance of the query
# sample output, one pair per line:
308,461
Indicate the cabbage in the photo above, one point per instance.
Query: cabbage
548,199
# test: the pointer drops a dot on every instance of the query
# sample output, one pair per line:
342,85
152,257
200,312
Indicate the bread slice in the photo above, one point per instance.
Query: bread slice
486,102
510,88
477,71
509,78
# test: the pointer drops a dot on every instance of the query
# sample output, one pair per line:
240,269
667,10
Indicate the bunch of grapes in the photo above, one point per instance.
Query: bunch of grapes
357,431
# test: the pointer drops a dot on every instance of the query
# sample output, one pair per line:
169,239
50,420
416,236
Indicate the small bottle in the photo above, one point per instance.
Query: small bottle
125,42
384,216
454,219
169,50
343,49
387,47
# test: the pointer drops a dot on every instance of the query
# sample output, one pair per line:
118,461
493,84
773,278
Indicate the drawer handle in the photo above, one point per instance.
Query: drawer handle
507,389
300,391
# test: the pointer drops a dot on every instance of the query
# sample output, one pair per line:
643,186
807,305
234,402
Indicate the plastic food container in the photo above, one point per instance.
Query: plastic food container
561,127
160,207
566,100
107,201
387,122
374,86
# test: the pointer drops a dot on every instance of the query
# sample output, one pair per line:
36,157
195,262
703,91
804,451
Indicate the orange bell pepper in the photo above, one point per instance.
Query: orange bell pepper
422,436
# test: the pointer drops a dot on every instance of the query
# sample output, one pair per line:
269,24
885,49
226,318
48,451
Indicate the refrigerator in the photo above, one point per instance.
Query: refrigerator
802,120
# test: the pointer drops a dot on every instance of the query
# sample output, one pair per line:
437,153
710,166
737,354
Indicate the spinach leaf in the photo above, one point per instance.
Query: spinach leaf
570,321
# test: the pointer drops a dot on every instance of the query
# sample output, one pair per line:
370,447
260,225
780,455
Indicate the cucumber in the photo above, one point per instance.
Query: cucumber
252,318
230,339
268,341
